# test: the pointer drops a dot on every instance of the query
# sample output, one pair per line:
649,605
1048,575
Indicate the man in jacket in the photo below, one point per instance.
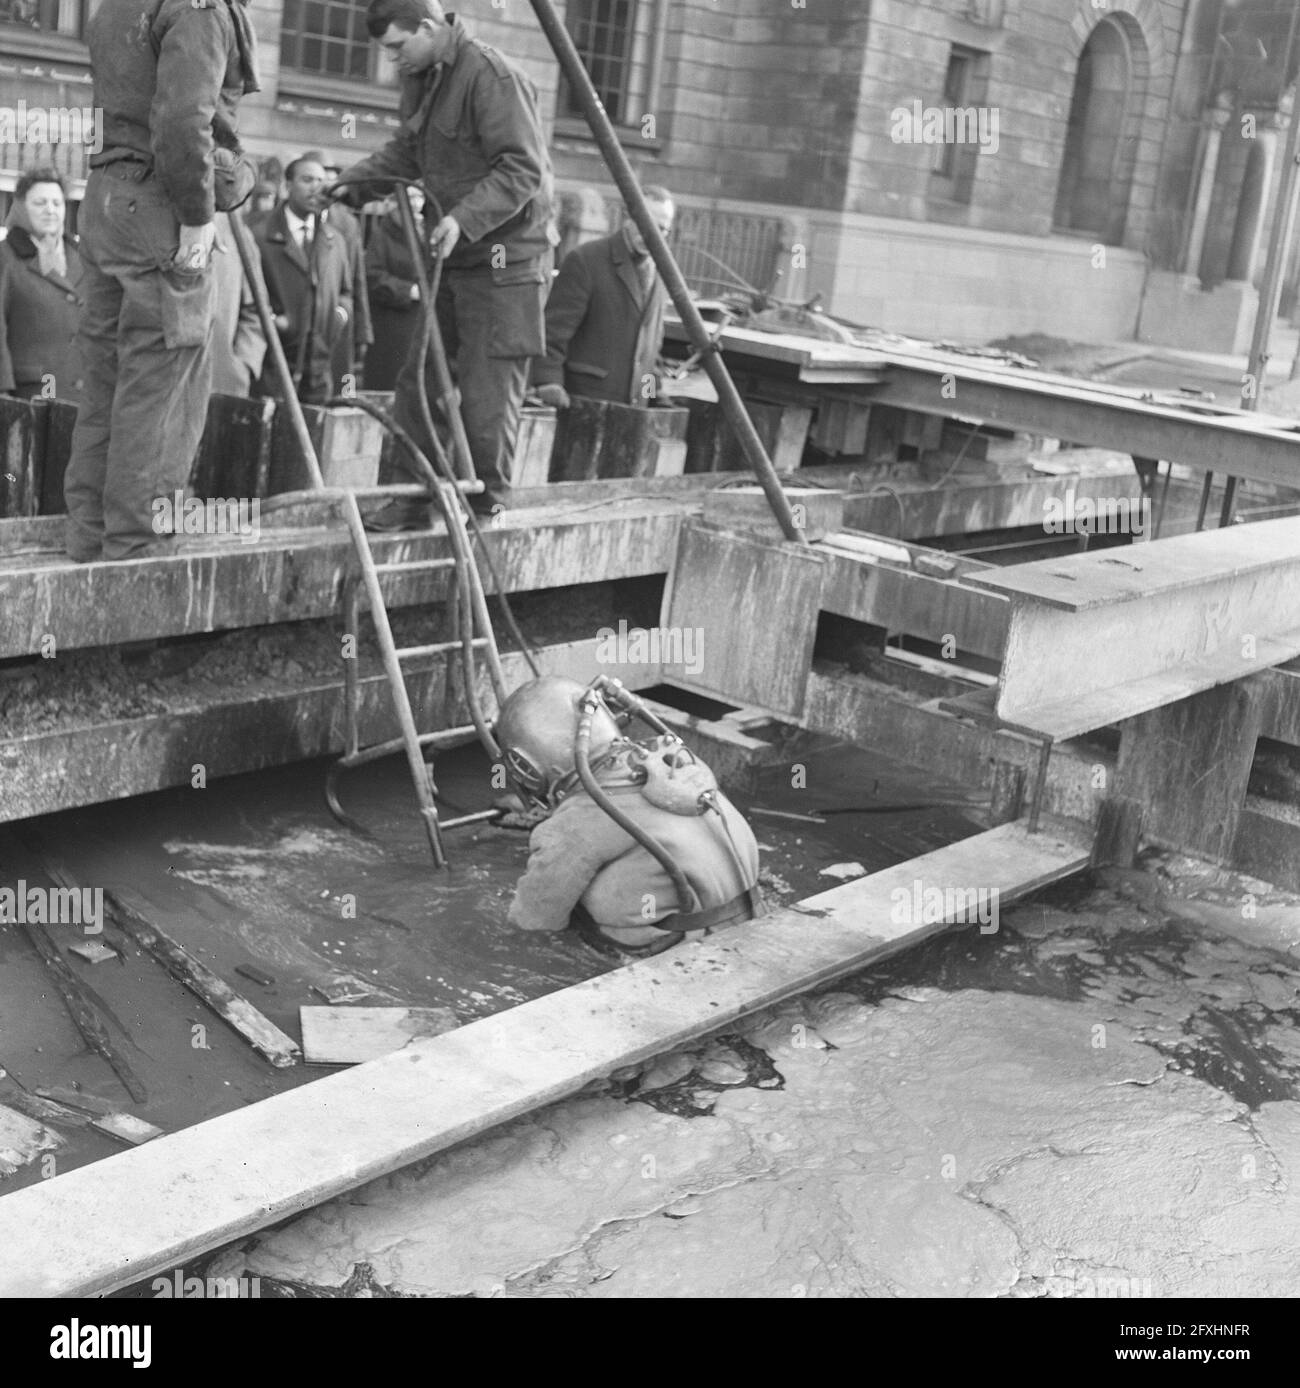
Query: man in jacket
168,78
472,133
307,264
605,318
238,343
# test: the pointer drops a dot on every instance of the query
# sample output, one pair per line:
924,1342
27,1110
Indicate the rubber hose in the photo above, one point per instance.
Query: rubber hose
687,901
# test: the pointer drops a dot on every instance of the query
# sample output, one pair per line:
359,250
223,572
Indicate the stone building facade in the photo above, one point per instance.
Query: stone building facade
959,169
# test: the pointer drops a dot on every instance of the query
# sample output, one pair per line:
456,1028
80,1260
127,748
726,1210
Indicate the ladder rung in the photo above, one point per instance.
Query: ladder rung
466,730
410,566
476,818
395,744
438,648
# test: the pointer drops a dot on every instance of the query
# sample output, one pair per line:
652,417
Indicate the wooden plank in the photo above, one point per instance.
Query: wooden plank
234,455
1187,764
22,1140
729,595
82,1009
19,444
351,1035
126,1127
142,1212
56,449
600,438
237,1012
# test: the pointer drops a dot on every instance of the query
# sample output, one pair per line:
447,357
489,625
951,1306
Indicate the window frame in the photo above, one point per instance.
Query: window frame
315,82
953,166
573,126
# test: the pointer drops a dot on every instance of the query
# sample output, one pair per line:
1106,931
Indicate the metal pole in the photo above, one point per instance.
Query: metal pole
617,163
428,293
1270,292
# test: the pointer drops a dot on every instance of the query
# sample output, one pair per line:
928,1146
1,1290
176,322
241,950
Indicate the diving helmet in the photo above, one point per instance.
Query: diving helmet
536,731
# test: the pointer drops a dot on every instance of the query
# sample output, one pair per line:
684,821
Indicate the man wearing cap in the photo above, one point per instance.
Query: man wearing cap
168,78
471,132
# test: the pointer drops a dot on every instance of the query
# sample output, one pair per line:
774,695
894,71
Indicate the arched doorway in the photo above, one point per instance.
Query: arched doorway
1096,168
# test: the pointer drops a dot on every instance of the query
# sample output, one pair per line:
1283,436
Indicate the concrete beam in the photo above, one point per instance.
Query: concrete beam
127,1218
52,771
295,574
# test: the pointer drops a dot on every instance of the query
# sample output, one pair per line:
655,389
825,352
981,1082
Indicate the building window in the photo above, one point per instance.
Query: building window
963,121
328,38
618,41
48,16
1096,166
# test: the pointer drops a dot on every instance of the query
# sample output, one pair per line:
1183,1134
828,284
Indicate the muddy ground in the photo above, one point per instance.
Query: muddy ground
1098,1100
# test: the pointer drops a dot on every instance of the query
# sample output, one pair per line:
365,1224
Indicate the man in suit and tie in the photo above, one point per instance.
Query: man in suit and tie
605,318
309,266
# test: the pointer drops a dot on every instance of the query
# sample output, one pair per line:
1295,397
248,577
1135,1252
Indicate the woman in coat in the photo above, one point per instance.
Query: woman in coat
40,272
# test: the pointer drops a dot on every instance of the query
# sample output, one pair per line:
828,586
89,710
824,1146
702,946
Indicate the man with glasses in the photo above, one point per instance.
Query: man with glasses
471,132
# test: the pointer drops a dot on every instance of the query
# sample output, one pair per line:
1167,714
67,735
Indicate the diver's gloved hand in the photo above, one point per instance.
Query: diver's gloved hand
516,813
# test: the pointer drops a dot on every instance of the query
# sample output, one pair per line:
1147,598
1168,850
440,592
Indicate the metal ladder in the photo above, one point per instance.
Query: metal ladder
468,606
468,613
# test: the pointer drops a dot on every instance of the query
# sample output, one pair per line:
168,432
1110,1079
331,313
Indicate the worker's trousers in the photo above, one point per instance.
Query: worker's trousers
492,324
145,338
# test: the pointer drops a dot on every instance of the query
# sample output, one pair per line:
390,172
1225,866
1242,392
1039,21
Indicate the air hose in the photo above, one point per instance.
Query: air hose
687,902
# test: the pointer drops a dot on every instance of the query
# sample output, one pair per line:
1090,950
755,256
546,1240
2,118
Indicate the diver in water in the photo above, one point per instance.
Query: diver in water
640,849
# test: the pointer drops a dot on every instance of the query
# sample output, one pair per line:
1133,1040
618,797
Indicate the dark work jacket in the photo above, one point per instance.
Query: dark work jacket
168,76
288,286
602,337
390,273
350,346
38,320
472,133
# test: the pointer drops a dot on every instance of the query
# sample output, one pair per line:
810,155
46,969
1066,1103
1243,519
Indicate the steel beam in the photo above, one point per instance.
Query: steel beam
1097,638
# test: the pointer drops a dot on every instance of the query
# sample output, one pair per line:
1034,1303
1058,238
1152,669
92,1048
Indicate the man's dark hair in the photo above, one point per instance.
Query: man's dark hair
313,156
406,14
45,174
